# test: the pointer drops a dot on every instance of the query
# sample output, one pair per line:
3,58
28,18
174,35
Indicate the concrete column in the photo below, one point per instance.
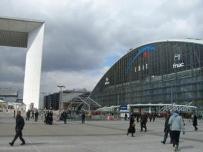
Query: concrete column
32,77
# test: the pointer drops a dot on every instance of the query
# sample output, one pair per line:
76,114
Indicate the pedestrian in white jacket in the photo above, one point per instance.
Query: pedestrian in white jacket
176,126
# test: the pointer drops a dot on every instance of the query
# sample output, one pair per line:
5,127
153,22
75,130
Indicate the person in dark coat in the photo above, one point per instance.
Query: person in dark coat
143,122
83,117
18,128
28,115
167,129
195,122
50,117
138,117
36,115
64,116
131,128
126,116
154,117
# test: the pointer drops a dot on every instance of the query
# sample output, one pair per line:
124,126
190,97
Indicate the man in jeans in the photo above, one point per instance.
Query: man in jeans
176,126
19,127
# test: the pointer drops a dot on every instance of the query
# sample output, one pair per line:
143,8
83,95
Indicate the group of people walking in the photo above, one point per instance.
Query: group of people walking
48,117
67,114
143,123
174,124
32,114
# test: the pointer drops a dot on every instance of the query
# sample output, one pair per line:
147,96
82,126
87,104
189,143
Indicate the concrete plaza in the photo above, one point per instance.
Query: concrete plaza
94,136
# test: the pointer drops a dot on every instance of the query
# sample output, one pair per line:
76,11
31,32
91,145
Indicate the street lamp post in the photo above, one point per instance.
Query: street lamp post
60,95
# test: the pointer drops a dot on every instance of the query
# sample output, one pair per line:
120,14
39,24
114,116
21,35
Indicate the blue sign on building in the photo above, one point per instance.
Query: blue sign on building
123,108
146,50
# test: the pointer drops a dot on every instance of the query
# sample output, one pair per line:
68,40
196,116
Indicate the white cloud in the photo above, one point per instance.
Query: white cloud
81,35
72,80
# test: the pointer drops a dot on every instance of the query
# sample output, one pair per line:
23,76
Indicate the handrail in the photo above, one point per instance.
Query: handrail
94,101
84,102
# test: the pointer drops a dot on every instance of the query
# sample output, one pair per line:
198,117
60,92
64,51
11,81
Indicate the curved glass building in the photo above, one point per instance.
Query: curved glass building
169,71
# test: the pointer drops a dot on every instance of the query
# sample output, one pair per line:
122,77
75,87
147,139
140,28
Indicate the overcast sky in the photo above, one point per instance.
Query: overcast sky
83,38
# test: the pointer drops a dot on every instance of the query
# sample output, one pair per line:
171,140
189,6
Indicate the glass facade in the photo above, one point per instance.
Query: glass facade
52,101
161,72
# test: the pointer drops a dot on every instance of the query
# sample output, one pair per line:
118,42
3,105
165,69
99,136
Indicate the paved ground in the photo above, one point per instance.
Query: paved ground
94,136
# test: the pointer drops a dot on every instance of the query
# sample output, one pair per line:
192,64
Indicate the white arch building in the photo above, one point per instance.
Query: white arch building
27,34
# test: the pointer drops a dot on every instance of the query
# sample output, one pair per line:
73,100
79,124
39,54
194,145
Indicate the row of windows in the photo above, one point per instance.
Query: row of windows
155,91
156,98
195,88
184,83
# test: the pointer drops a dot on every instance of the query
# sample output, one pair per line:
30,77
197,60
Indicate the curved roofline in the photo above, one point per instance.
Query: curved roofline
189,40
